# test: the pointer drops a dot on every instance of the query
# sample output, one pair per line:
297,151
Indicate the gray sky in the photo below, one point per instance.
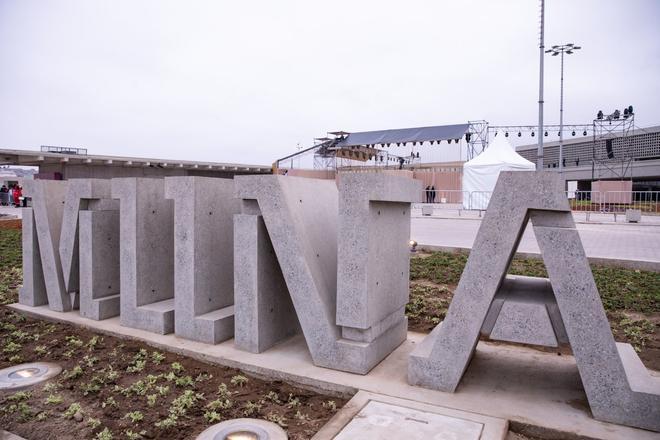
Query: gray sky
248,81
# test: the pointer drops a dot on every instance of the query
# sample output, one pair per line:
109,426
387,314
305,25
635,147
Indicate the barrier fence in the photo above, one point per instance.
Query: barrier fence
605,202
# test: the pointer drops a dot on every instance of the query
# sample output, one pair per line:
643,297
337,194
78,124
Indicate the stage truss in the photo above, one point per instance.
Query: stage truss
612,132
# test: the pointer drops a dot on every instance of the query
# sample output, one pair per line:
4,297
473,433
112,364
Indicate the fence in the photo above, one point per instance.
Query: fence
445,196
604,202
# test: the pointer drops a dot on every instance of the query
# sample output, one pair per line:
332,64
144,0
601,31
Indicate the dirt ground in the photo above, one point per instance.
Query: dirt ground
133,391
12,223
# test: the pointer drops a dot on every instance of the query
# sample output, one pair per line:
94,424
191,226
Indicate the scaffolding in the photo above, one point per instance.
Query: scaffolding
612,154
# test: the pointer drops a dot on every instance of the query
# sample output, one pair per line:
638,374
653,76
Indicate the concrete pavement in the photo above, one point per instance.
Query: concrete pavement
623,242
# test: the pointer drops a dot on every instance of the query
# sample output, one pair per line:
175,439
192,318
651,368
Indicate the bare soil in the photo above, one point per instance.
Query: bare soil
113,380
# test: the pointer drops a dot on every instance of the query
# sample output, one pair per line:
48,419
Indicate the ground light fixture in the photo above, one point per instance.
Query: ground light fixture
23,376
413,245
244,429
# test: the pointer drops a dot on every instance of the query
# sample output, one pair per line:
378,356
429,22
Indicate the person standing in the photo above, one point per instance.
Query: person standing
427,194
432,194
18,193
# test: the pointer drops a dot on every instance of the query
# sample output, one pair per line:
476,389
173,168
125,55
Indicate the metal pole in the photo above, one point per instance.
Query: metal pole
539,157
561,117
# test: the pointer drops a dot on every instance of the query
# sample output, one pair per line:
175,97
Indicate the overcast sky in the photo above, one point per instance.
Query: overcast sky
247,81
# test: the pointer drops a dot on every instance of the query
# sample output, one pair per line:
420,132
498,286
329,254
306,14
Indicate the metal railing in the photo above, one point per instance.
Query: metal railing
445,196
601,202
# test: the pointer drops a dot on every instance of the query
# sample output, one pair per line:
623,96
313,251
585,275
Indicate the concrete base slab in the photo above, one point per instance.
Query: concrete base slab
376,416
508,382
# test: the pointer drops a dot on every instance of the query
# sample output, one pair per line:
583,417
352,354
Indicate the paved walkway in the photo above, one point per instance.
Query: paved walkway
601,240
10,210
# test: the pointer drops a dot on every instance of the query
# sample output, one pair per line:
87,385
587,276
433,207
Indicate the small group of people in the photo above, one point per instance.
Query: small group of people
430,194
12,196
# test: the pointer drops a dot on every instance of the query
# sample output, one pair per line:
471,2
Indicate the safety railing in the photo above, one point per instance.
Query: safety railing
588,202
445,196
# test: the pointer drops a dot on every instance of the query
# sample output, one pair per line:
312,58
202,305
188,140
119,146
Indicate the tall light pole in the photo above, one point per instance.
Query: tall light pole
561,50
539,153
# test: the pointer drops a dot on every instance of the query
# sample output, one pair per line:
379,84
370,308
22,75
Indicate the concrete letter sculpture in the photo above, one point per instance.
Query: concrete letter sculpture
203,257
146,223
350,321
618,387
44,279
91,273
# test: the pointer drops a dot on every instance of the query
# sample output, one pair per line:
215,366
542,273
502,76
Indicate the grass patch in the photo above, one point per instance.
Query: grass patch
620,289
11,260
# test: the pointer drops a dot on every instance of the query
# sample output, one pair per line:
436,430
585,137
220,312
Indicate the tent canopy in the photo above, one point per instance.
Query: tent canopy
480,174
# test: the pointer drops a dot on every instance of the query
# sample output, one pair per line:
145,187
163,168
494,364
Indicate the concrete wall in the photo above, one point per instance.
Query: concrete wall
77,171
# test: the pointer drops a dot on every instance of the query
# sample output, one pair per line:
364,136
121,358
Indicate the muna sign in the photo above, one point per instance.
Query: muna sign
262,258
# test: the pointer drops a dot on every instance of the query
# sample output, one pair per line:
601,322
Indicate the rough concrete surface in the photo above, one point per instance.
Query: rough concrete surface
47,208
146,225
99,264
304,219
204,257
441,360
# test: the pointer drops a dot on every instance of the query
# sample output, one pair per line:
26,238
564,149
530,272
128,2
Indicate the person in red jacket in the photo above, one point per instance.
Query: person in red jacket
18,192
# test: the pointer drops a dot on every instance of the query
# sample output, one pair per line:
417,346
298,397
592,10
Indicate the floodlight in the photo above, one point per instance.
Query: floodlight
519,134
506,134
532,134
584,133
546,133
573,133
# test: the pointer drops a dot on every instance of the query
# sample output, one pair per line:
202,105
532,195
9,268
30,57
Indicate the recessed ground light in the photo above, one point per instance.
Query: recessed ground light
23,376
244,429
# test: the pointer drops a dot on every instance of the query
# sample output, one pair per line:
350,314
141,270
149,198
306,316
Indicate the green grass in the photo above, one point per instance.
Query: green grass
11,274
10,248
620,289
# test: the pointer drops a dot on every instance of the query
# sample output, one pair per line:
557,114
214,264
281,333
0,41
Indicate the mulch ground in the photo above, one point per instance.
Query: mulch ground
126,389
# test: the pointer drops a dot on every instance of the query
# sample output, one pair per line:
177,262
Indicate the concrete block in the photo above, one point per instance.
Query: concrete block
606,381
203,253
374,230
33,291
264,312
440,361
146,225
47,207
525,311
99,264
633,215
81,194
301,218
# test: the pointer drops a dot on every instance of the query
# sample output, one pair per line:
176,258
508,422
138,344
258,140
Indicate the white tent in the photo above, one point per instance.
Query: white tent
480,174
